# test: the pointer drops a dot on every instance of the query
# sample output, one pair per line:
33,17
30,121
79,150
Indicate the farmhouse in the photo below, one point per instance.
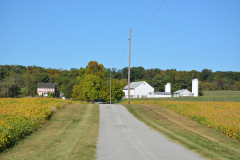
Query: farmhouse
45,88
138,89
182,93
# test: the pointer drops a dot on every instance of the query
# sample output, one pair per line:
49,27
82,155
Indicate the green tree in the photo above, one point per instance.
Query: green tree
33,89
69,89
105,93
91,87
90,81
26,78
77,92
116,89
159,82
136,73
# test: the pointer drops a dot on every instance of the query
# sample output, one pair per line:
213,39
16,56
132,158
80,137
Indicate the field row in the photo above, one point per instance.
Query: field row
223,116
20,117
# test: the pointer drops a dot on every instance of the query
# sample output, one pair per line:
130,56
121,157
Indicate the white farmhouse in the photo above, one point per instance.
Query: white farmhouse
138,89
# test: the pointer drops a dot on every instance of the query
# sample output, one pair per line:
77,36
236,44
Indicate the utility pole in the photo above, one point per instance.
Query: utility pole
110,90
129,66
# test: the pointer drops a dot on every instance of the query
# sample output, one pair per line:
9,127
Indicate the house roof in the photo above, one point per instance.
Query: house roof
134,85
46,85
181,90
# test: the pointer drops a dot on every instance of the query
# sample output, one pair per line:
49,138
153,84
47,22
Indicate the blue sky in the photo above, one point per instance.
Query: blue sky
183,34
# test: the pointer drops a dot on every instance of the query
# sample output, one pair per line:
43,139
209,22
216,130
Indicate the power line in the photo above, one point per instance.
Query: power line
123,53
142,27
142,14
150,18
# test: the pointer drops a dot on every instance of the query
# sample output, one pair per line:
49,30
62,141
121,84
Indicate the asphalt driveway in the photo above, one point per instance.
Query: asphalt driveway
123,137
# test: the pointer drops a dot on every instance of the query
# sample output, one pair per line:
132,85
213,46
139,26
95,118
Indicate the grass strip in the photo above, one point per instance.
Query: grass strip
205,141
70,134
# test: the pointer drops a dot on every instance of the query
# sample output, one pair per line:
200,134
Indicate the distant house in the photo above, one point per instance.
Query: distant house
45,88
138,89
182,93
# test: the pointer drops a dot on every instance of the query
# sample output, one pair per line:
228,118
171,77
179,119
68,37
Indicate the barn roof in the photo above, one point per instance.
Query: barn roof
134,85
46,85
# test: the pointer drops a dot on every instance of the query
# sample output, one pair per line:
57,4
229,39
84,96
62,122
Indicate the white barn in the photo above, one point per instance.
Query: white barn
143,90
138,89
182,93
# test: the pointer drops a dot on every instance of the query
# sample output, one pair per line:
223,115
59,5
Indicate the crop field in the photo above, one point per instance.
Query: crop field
222,116
21,116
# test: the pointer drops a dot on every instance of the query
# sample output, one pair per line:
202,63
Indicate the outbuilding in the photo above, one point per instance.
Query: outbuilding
158,94
182,93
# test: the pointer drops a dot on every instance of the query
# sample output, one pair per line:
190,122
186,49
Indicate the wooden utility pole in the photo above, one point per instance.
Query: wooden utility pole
110,90
129,66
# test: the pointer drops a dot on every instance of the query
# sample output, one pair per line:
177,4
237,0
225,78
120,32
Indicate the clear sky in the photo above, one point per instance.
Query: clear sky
182,34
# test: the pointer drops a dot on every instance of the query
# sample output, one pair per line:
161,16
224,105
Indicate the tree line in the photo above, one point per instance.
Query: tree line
16,80
208,80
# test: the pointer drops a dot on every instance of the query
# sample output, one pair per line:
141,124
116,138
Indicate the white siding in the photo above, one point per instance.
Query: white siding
131,93
152,95
139,91
143,89
158,96
195,84
185,93
168,87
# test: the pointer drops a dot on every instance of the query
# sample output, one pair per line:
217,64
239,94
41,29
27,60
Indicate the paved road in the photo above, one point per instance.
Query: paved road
124,137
